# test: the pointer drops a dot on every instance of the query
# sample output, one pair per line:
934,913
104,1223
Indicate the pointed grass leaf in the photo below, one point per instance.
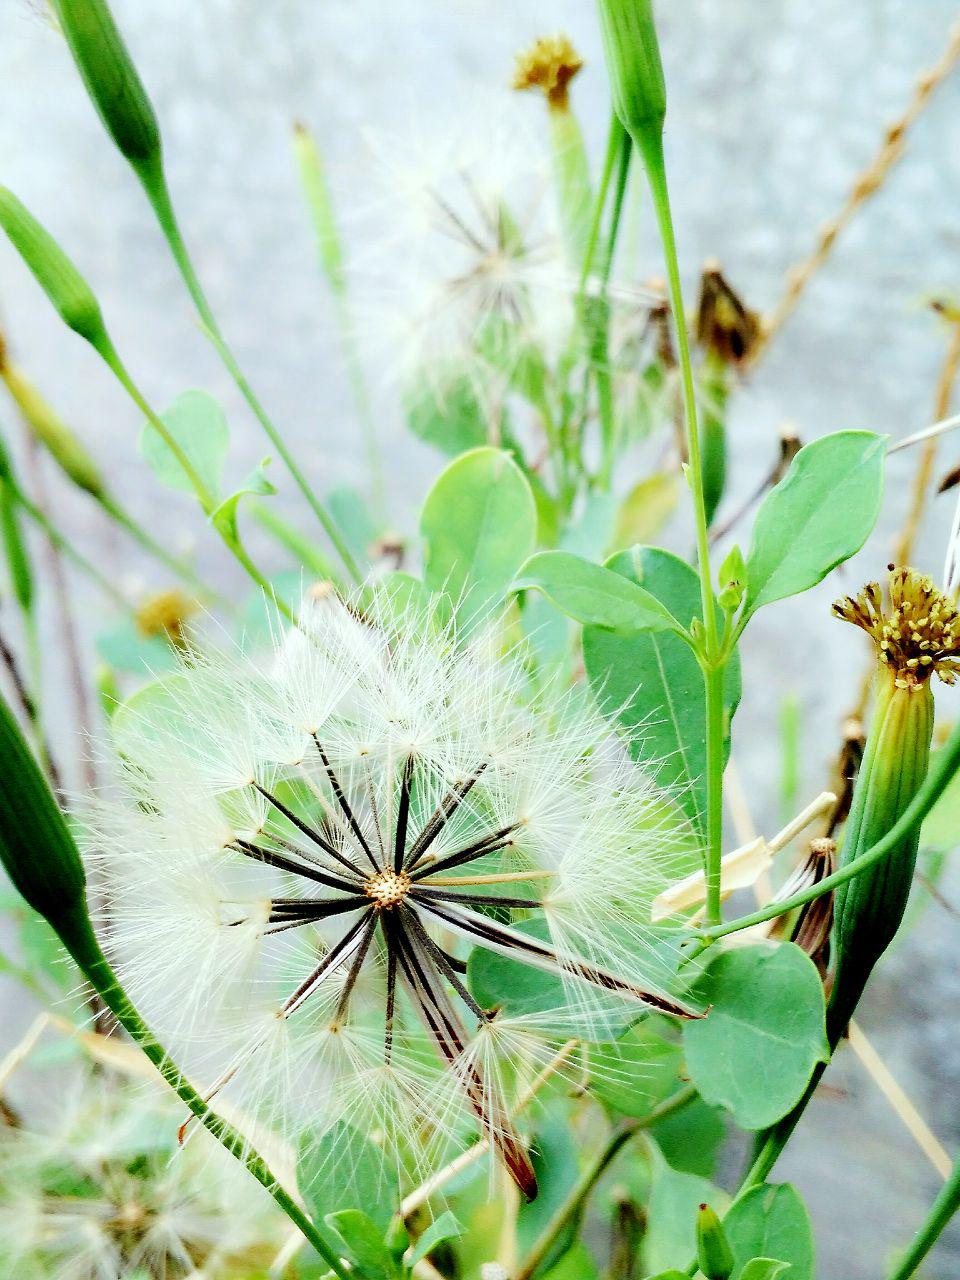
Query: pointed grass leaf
479,524
446,1227
593,595
198,425
756,1049
819,515
651,681
771,1222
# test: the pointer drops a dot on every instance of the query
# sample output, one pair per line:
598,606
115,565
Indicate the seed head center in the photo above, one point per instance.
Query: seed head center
387,888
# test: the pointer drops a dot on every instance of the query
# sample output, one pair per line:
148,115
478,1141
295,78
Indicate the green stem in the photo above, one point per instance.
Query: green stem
577,1197
111,358
600,356
154,183
62,543
79,939
713,685
713,660
941,1211
944,766
143,538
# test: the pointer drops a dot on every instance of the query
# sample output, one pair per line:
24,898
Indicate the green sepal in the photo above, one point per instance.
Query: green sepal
714,1255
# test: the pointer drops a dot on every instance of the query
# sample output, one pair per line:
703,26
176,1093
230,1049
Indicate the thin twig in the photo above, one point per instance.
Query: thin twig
928,455
866,184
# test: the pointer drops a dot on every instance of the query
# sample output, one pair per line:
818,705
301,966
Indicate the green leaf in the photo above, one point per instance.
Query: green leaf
199,426
652,681
364,1244
447,415
772,1222
125,648
446,1227
224,518
671,1239
342,1167
646,509
819,515
669,1275
756,1049
553,1152
690,1138
479,524
632,1074
762,1269
359,529
576,1264
593,595
590,535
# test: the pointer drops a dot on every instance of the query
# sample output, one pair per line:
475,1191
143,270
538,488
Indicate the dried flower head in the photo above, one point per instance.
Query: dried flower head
917,634
95,1189
166,615
549,64
308,854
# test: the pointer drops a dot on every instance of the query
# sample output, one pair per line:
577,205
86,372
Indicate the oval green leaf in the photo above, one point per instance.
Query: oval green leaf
756,1049
652,683
771,1222
819,515
479,524
593,595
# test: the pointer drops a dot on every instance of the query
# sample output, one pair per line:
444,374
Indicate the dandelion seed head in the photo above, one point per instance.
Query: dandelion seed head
302,854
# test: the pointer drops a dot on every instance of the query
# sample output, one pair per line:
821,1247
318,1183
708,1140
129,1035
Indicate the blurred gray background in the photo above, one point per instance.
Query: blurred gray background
773,109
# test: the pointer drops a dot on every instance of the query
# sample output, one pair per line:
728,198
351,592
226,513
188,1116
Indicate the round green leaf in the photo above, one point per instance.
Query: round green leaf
199,426
632,1074
755,1051
479,524
771,1222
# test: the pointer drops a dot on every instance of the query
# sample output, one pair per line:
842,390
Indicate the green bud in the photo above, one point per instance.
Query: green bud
917,635
732,577
111,78
55,273
313,179
36,848
63,445
714,1255
713,434
636,73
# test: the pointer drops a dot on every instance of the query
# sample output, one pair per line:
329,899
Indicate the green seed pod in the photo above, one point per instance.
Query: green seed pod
714,1255
36,848
111,78
63,445
916,636
713,428
636,73
55,273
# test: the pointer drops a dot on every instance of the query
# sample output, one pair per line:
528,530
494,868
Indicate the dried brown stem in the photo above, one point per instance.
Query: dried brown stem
865,185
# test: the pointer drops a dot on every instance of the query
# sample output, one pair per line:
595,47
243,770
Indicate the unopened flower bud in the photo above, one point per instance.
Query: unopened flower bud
111,78
917,635
66,449
36,848
732,578
55,273
714,1255
636,74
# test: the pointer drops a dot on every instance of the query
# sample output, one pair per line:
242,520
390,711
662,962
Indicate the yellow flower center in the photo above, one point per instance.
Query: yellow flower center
387,888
